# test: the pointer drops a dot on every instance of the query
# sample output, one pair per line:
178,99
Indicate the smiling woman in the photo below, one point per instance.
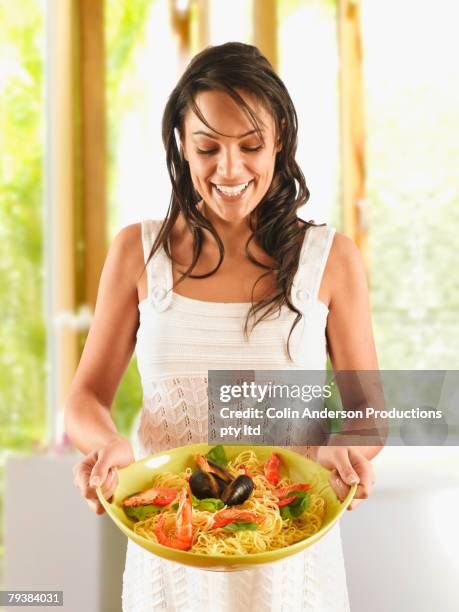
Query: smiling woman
182,291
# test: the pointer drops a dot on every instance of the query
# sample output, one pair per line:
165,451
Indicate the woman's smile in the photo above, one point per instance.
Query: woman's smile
232,193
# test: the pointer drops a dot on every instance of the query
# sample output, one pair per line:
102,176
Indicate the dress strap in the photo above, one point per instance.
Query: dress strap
159,268
313,257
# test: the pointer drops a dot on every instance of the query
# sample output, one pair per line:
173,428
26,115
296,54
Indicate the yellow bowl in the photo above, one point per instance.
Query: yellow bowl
139,475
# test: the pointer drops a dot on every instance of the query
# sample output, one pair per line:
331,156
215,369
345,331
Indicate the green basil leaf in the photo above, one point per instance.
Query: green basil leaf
297,507
211,504
299,494
285,512
217,454
140,513
174,506
241,526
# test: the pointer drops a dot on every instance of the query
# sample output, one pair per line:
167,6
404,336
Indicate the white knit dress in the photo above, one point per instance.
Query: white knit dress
179,339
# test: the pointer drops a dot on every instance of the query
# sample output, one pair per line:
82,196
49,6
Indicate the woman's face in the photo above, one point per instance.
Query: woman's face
233,172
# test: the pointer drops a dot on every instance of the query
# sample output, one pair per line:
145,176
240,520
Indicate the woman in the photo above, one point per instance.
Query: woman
238,251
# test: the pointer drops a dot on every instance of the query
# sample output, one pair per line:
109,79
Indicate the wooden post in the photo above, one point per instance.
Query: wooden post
61,203
189,22
203,23
265,29
93,144
180,12
355,222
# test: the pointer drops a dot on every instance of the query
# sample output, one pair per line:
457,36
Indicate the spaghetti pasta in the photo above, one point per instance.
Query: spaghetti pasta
272,531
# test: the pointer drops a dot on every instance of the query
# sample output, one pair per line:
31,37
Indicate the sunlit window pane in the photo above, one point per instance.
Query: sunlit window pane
22,332
412,97
308,64
22,376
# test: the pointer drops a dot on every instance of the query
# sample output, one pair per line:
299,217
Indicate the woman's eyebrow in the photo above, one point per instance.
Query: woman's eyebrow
209,135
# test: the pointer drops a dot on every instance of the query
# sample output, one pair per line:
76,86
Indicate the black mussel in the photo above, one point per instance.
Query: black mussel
205,484
237,491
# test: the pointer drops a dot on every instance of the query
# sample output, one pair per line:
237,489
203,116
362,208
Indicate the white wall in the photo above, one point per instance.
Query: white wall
53,541
400,545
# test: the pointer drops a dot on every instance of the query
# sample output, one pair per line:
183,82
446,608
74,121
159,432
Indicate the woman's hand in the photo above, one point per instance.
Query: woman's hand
98,468
349,466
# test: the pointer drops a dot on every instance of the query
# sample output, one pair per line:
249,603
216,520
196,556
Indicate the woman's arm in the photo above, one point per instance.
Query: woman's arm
350,338
351,348
107,351
109,346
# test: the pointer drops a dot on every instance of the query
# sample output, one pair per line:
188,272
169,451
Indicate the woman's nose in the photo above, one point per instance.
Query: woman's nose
229,164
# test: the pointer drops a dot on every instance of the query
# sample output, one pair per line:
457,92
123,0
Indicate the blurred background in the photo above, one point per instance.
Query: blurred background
83,84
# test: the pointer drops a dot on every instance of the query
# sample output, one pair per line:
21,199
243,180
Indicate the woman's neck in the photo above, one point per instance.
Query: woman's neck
234,235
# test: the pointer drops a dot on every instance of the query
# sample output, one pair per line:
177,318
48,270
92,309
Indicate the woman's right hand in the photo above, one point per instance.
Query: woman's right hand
98,468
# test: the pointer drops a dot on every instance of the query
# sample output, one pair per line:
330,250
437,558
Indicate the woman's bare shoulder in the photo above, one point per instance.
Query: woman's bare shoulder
344,268
128,242
130,234
344,251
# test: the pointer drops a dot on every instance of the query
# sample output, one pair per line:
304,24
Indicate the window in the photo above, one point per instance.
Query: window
23,373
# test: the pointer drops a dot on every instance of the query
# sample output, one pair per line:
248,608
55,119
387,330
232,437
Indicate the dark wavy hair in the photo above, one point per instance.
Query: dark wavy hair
274,223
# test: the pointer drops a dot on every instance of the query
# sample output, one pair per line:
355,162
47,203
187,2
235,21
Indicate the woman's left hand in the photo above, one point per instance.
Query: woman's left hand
348,466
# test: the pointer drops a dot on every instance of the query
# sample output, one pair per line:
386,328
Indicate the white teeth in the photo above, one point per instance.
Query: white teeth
231,191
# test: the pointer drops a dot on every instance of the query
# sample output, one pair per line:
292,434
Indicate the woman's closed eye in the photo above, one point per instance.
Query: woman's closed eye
212,151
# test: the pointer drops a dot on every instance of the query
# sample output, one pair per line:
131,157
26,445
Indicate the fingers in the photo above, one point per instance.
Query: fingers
366,474
100,470
345,468
348,465
354,504
95,506
338,485
82,473
110,484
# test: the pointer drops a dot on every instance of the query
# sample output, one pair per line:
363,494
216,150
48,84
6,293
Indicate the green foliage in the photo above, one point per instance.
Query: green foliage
334,401
124,26
23,332
128,400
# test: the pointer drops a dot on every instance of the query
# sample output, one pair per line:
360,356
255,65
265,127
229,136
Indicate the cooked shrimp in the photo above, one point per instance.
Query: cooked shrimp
283,491
159,496
271,469
233,515
183,539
